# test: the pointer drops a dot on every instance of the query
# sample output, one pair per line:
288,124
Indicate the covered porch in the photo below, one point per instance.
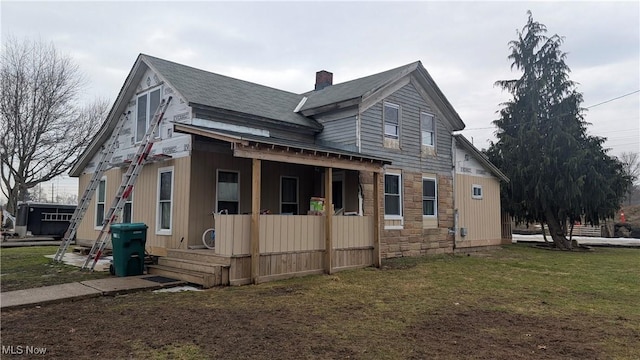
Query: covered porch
292,240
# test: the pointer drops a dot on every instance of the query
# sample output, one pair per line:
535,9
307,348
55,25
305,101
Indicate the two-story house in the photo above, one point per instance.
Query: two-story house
378,150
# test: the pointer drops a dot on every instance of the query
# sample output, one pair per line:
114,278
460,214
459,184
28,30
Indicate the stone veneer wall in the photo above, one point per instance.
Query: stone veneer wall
413,239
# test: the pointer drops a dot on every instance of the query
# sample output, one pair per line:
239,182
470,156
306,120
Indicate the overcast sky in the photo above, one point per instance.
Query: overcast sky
463,45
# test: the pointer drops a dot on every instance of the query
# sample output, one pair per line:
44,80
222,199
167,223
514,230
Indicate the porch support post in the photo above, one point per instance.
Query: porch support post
376,219
328,210
255,220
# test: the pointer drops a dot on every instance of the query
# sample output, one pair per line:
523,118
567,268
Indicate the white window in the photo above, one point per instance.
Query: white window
289,195
429,197
391,120
100,202
147,105
427,124
476,191
165,201
392,196
228,190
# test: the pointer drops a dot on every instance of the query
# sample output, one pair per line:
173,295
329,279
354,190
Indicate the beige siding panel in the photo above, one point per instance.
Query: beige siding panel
480,217
87,231
232,234
352,231
203,189
145,203
287,233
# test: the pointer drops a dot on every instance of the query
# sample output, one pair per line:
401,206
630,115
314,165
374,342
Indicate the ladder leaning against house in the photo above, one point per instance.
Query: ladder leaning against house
124,190
126,187
83,204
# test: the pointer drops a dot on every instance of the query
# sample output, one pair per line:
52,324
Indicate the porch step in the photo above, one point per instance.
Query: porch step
207,280
210,268
203,256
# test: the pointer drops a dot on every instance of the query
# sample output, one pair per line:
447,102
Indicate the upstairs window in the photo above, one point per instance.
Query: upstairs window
228,192
289,195
392,195
429,198
147,105
427,124
391,121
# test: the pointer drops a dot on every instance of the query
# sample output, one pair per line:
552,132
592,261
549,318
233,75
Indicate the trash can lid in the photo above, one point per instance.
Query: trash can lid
129,226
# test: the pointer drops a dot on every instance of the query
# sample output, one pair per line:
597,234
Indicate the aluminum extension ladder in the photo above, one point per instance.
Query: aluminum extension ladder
126,187
83,204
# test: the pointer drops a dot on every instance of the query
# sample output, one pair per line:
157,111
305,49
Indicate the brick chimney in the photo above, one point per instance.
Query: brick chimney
323,79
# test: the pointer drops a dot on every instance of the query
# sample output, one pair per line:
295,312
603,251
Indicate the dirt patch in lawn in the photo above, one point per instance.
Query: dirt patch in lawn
486,334
115,328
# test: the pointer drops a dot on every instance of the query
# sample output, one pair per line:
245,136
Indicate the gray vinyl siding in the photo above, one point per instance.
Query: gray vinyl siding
409,155
340,132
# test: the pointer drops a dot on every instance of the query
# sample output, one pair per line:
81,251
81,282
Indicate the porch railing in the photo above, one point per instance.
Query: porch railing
290,233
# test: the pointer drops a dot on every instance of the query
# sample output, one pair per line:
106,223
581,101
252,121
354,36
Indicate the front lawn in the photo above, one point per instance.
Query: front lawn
514,303
27,267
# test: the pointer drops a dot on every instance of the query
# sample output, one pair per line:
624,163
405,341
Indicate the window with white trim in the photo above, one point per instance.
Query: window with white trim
228,190
146,107
391,118
476,191
165,200
428,129
429,197
101,202
289,195
127,210
393,196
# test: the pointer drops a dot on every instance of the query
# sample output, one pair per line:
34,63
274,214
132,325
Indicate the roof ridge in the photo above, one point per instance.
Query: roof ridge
415,63
217,74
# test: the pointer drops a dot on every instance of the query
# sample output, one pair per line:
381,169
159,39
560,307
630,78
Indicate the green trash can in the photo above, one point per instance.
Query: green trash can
128,241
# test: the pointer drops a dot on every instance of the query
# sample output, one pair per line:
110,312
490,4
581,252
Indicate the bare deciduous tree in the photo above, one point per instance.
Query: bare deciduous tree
43,126
631,163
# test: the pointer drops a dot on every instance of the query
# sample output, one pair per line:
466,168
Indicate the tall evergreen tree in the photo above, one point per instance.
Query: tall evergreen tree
558,173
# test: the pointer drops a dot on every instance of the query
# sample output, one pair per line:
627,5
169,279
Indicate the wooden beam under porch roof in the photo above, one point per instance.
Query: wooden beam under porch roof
317,158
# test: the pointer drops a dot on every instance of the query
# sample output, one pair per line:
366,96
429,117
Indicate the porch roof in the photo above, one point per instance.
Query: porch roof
289,151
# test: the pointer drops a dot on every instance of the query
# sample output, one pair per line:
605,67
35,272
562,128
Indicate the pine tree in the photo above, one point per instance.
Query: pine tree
558,173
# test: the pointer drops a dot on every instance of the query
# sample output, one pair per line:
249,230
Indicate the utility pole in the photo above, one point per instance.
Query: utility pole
52,192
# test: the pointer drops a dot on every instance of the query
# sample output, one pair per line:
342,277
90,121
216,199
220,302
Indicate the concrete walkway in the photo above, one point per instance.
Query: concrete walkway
83,290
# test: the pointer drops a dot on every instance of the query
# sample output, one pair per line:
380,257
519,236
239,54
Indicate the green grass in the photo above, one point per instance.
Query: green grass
27,267
504,304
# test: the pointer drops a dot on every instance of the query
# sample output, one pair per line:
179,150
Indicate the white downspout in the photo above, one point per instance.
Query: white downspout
359,145
453,184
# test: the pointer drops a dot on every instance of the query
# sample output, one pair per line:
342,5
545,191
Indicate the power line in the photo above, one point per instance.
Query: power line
610,100
588,107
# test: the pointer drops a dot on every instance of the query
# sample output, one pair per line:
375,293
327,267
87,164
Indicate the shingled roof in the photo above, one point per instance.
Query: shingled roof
222,92
355,88
355,91
201,88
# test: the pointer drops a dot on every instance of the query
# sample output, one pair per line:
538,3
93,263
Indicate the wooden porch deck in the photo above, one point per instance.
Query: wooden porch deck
289,246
